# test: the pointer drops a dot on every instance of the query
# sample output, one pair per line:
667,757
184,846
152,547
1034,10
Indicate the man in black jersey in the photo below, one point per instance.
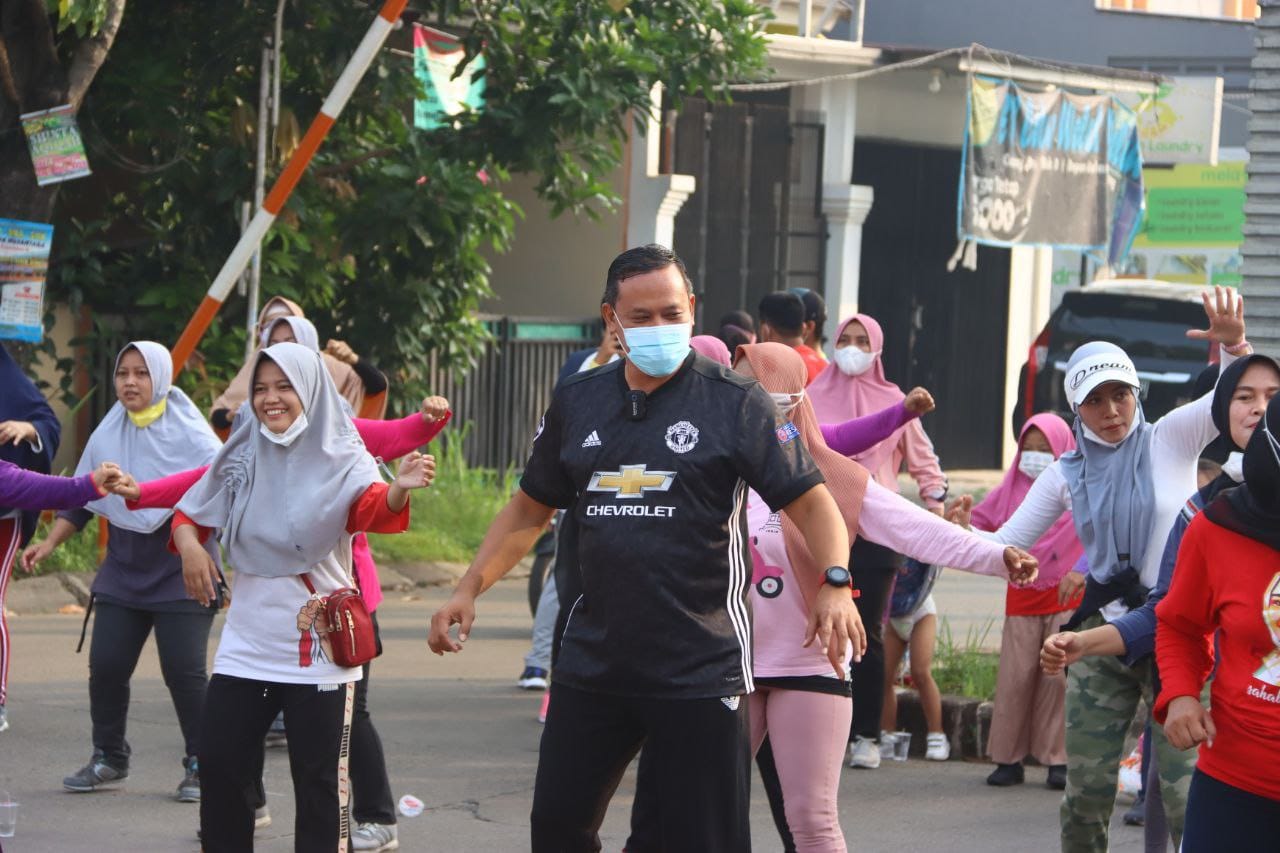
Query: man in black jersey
655,454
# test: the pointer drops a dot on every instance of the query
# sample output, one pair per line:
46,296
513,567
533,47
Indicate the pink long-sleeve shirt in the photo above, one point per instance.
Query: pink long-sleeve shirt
384,439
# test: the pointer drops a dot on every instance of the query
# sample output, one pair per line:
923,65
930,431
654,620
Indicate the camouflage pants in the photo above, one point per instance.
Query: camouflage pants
1102,698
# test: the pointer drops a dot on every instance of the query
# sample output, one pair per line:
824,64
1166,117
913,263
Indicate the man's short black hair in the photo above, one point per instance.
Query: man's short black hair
637,261
784,311
738,318
815,307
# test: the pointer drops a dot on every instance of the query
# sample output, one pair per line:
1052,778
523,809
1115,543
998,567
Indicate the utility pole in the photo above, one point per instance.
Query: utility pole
1261,250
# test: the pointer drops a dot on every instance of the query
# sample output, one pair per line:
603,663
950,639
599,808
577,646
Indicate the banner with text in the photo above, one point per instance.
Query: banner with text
1049,169
436,57
24,263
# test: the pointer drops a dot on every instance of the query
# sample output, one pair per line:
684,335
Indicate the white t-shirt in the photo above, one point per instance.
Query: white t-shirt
1177,440
263,638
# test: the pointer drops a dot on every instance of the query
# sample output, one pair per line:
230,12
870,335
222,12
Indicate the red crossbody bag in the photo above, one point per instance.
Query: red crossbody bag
351,638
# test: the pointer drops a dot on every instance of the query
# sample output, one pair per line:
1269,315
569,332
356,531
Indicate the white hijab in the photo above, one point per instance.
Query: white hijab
283,508
178,440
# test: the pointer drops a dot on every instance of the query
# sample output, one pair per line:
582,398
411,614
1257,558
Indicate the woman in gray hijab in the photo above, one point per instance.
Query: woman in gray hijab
287,491
1124,485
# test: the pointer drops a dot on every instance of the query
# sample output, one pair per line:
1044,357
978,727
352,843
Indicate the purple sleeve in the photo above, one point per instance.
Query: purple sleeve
28,490
853,437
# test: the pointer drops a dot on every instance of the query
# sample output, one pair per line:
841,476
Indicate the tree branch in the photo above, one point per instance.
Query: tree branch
91,53
7,84
348,165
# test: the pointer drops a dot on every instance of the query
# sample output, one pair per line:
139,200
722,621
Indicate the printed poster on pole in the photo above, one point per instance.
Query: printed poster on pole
1049,168
24,264
436,57
56,148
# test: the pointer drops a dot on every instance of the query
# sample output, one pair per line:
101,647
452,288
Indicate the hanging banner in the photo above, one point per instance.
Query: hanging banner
56,148
436,57
24,264
1048,169
1181,122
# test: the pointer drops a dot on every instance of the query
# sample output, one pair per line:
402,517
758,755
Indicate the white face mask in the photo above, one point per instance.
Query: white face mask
1033,462
853,361
286,438
786,403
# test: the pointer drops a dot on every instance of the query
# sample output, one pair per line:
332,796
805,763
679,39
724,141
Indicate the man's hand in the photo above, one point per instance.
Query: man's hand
960,511
1060,651
16,432
919,402
1069,587
1225,311
434,408
1188,723
459,610
35,554
1022,567
834,622
341,351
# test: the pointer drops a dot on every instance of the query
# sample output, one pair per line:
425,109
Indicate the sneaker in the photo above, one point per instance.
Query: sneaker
1056,780
189,787
1137,813
375,836
533,678
4,719
937,747
546,703
261,818
94,775
864,753
1005,775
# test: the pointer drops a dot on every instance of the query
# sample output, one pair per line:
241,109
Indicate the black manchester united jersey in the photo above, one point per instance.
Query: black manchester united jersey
659,504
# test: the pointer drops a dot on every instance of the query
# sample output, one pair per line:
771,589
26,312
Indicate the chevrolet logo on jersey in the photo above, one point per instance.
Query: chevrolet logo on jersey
631,481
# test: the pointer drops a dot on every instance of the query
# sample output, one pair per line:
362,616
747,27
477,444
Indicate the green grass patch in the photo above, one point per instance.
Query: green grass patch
448,521
964,667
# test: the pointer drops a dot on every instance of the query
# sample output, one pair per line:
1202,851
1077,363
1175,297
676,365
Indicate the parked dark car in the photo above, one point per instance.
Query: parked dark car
1149,319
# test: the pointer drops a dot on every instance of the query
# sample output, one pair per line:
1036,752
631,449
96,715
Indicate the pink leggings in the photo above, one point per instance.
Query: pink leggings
809,732
10,533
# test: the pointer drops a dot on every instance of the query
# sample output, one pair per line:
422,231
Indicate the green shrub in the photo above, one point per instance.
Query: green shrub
966,668
77,554
448,521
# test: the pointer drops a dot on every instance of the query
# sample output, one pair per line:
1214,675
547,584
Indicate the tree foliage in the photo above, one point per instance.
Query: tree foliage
383,241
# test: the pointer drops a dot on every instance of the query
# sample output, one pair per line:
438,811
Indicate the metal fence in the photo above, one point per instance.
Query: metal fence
499,401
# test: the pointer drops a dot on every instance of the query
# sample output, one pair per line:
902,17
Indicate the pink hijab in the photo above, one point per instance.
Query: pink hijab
838,398
1058,549
712,347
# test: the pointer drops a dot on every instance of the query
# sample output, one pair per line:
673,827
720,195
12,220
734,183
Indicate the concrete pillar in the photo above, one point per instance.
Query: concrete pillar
1030,285
846,207
653,199
1261,249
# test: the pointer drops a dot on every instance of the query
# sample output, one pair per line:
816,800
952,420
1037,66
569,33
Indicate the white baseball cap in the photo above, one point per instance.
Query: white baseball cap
1094,364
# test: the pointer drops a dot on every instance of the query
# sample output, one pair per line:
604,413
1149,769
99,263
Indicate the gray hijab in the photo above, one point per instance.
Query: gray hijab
1111,485
178,440
282,508
304,331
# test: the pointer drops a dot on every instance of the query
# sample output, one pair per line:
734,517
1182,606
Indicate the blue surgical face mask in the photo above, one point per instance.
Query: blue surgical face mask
657,350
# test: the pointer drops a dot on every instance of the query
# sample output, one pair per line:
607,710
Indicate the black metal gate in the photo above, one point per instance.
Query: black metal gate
754,223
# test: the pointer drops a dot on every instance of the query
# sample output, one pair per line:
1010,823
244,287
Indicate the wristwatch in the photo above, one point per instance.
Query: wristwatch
837,576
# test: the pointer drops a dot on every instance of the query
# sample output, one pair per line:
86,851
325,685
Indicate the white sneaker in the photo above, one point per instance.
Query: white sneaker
937,747
375,837
864,753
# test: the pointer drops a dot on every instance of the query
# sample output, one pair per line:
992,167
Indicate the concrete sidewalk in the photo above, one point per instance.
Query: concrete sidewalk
460,736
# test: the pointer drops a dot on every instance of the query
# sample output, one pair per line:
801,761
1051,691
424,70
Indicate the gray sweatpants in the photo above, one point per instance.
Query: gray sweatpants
544,625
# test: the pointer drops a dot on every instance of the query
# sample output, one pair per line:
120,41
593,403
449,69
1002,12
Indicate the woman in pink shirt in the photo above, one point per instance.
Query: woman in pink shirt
800,702
852,386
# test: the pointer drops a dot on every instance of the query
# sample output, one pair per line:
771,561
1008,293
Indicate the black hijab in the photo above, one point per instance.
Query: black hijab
1222,394
20,400
1253,509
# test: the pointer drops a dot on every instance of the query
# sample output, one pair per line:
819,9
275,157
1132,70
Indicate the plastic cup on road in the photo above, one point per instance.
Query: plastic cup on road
901,745
411,806
887,742
8,816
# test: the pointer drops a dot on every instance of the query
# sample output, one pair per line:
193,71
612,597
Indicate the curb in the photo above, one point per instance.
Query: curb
966,721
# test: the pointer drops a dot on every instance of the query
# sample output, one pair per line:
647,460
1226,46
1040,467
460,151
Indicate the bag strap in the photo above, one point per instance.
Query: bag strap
306,578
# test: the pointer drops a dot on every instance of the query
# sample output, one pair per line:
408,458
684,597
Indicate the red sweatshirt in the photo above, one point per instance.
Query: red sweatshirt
1228,583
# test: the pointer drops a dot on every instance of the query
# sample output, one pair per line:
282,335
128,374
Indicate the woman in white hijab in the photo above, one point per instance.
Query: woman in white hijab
287,491
153,430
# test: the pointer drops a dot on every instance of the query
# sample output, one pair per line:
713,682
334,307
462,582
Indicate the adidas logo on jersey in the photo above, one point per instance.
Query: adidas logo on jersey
592,440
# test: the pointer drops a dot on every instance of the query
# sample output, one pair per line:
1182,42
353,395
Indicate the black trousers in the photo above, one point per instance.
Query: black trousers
1217,812
697,772
238,712
371,800
874,568
119,633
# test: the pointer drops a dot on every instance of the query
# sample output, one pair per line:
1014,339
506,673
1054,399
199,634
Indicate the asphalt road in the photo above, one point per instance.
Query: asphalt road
461,737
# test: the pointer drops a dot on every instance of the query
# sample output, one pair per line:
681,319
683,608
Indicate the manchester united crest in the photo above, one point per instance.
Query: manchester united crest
682,437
